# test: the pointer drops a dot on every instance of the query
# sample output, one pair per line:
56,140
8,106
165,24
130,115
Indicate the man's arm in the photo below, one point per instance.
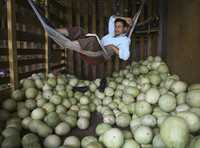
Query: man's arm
114,48
111,24
122,50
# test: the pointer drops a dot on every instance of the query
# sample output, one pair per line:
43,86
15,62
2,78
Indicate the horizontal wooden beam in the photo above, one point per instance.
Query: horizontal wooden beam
58,5
30,62
3,52
3,35
56,19
22,3
27,20
4,65
31,37
30,51
147,31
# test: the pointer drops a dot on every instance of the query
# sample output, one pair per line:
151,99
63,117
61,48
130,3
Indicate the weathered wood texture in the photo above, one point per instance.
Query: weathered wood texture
35,52
183,34
24,47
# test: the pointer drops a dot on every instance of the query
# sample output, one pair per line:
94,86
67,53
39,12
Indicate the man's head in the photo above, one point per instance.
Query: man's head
121,26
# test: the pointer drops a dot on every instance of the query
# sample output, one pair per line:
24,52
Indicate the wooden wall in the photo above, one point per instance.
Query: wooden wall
26,49
183,39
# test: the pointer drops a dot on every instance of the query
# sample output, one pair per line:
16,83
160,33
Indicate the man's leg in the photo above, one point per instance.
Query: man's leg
73,33
76,33
89,44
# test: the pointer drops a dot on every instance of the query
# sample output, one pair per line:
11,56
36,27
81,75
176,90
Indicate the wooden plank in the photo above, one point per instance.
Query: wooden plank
109,64
25,15
70,53
28,20
149,42
133,38
12,44
76,6
4,65
30,62
29,37
47,46
162,42
3,51
30,51
56,19
3,35
94,30
100,31
58,5
85,7
1,13
137,49
142,49
146,32
22,3
155,36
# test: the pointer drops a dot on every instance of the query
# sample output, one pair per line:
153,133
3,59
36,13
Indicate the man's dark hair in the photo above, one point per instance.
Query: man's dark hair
121,21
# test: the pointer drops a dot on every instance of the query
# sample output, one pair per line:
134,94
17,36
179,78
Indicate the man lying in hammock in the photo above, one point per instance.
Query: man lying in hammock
115,41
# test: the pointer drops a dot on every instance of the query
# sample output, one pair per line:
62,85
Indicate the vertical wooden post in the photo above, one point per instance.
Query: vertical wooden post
100,27
93,21
149,42
142,42
108,13
47,43
70,58
76,12
162,38
133,39
85,26
1,14
12,47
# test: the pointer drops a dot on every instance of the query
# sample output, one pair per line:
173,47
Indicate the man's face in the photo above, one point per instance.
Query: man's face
119,28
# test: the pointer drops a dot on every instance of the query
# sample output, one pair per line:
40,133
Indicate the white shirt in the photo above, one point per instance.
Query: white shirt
122,41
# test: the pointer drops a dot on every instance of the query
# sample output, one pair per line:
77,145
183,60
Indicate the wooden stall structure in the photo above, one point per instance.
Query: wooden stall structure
26,49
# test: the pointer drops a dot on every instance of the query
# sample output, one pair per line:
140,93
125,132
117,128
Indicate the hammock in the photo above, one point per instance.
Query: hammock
66,43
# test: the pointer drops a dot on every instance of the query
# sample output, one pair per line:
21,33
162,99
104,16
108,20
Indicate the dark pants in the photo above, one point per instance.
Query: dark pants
86,43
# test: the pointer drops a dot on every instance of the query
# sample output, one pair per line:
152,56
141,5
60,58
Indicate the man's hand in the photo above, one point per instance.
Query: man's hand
114,48
129,21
